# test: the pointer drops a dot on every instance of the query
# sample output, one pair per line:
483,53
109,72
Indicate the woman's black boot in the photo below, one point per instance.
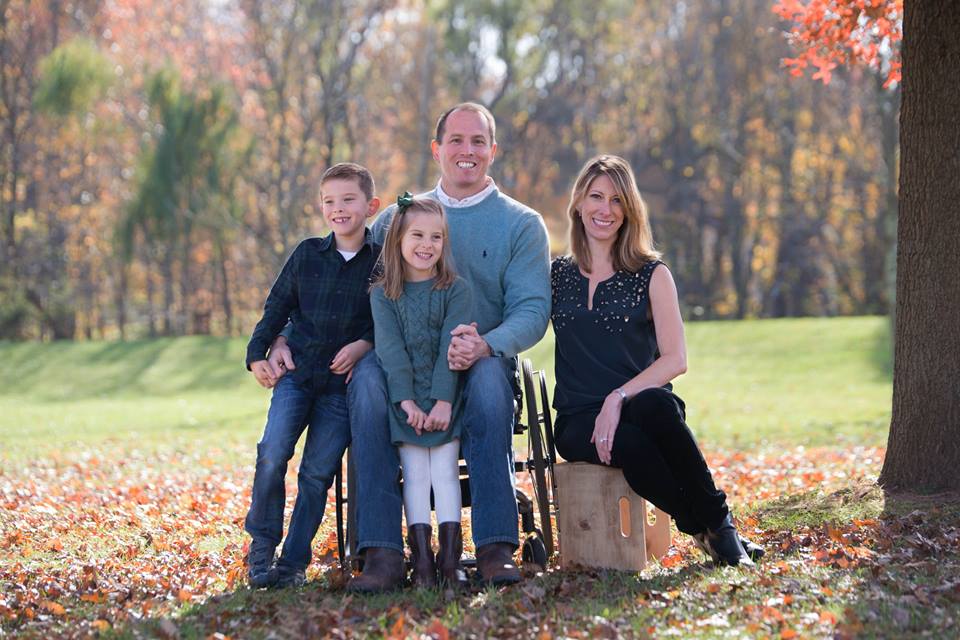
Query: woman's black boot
726,543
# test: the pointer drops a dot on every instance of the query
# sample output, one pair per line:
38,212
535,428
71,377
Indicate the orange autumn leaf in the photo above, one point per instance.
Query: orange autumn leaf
53,607
438,631
396,631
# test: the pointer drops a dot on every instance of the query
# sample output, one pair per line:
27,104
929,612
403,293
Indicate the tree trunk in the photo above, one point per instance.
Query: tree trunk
923,451
151,297
889,109
120,298
225,289
426,106
168,297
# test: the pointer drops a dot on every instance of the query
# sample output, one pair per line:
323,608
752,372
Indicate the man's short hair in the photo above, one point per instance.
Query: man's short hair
351,171
476,107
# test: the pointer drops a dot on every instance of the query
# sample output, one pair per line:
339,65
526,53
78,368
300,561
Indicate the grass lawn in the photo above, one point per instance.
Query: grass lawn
126,467
797,381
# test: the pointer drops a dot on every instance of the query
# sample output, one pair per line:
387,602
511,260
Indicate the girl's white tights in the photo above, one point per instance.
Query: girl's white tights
425,466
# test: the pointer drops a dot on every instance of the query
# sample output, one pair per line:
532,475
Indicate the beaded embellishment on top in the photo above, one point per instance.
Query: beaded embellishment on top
616,301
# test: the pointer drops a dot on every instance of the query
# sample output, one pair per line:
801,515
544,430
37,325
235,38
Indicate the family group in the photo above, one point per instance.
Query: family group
400,339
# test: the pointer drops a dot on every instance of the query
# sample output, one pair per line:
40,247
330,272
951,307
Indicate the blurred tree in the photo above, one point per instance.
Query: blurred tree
73,77
184,186
766,194
307,55
923,450
858,33
35,286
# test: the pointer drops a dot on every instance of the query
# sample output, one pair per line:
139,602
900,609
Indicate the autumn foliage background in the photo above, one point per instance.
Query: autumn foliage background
158,161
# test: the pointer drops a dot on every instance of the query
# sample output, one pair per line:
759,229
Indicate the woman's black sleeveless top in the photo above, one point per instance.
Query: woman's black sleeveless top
599,349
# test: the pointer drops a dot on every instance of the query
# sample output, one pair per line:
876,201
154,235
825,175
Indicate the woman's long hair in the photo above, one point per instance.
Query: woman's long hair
390,270
634,244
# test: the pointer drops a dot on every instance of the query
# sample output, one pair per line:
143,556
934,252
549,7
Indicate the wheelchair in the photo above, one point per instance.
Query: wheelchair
538,543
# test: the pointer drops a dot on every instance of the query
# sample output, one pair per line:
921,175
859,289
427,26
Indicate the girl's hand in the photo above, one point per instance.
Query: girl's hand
439,418
605,426
416,418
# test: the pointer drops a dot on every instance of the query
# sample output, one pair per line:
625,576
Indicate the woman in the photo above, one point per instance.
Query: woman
619,343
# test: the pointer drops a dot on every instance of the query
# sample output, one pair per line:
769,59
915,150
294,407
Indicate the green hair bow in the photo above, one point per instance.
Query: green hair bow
404,201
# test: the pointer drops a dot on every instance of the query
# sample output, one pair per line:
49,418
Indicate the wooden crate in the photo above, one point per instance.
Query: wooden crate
601,522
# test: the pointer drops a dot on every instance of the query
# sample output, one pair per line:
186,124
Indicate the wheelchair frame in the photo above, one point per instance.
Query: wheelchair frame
539,541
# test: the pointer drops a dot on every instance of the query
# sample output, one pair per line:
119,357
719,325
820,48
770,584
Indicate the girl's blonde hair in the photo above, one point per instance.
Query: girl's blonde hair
634,244
390,266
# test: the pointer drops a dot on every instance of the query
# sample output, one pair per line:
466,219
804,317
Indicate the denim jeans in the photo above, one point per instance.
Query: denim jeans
293,407
486,445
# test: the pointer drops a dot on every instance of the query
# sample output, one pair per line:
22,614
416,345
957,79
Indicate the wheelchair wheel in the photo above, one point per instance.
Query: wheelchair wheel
547,424
534,550
539,457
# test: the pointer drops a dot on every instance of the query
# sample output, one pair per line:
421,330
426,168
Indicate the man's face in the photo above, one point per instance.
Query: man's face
464,154
345,207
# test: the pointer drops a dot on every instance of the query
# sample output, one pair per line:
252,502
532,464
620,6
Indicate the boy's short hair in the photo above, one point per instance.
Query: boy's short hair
477,108
351,171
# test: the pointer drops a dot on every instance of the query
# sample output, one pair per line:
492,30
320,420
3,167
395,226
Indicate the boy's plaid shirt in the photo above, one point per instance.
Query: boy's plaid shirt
327,302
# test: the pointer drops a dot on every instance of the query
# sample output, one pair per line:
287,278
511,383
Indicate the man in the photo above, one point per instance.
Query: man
500,248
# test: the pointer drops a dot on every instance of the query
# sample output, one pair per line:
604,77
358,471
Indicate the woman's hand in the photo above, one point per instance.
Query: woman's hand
416,418
439,418
605,426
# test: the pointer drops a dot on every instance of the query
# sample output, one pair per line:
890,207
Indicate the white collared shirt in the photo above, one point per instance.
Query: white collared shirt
469,201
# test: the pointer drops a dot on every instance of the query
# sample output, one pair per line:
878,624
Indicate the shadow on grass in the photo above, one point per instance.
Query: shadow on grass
881,354
596,603
896,555
61,371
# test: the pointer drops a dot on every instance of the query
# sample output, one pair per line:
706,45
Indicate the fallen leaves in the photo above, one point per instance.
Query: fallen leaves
92,545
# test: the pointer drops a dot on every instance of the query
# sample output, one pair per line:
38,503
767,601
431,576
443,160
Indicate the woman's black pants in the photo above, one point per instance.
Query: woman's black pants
659,457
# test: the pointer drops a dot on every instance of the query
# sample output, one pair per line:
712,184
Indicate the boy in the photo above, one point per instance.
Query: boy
323,291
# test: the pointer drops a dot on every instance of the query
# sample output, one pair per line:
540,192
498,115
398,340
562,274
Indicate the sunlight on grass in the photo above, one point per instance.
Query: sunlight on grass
813,381
809,381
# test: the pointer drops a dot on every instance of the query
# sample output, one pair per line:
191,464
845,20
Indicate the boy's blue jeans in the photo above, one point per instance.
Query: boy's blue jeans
292,408
486,442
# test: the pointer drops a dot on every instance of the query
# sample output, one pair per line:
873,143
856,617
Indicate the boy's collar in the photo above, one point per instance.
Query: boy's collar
329,241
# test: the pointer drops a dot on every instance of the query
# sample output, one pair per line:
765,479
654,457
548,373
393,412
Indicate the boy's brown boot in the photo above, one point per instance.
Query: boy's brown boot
448,557
420,539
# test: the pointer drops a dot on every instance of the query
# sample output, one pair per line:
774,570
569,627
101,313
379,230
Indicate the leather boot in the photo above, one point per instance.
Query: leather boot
452,574
420,539
726,543
753,550
495,564
382,571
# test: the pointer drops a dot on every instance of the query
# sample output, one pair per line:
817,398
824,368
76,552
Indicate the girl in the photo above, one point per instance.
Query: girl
416,302
619,343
